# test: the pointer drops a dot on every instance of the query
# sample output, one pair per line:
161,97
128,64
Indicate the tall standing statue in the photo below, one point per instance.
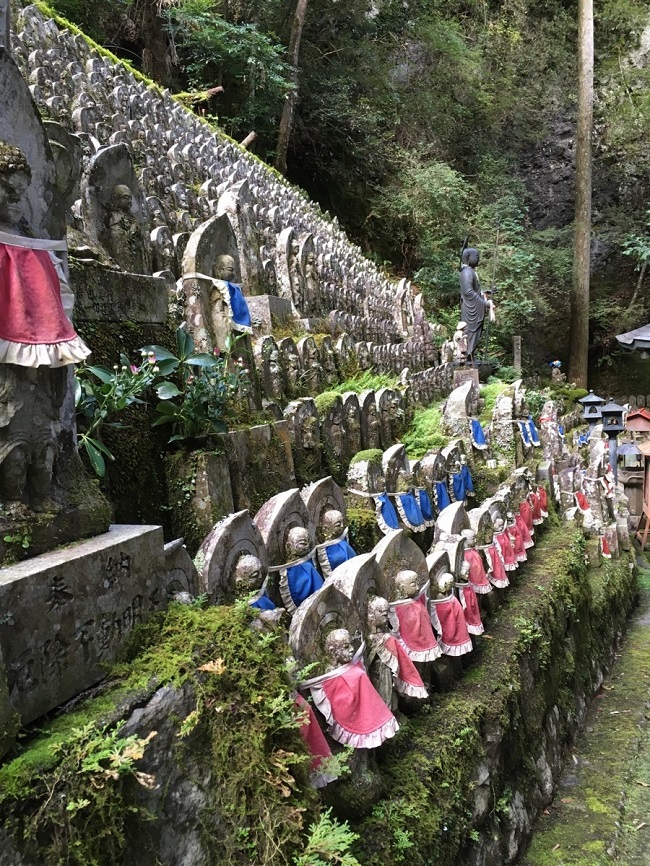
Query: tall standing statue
474,305
35,334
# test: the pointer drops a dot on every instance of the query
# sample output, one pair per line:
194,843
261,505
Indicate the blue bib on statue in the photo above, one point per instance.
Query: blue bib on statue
442,495
467,478
238,306
411,508
478,436
388,512
458,486
303,580
532,431
426,506
263,603
339,553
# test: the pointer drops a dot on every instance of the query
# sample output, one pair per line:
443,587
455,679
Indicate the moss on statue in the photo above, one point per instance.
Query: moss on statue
486,481
373,456
364,532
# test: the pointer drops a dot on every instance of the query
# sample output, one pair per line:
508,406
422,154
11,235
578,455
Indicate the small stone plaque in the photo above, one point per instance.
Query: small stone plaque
104,295
64,615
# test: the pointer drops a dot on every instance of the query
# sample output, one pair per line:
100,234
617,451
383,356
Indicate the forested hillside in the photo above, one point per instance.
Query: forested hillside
418,123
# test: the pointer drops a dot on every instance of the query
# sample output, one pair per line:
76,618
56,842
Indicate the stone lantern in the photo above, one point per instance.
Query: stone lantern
613,424
591,409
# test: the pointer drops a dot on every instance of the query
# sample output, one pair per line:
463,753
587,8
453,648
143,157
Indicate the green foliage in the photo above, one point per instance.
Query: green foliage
365,381
101,393
425,432
205,387
82,813
328,843
248,62
490,394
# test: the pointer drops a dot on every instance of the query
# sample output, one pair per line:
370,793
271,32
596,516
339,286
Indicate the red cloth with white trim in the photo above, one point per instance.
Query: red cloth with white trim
605,548
30,298
448,619
581,501
312,735
477,576
537,511
543,500
527,538
507,550
496,570
406,678
357,716
471,609
517,543
416,633
527,513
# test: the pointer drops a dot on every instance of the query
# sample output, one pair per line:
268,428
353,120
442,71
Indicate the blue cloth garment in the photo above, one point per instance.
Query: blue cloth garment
386,514
532,432
467,480
263,603
442,495
426,506
239,308
303,580
477,434
583,439
458,486
560,430
339,553
409,509
525,435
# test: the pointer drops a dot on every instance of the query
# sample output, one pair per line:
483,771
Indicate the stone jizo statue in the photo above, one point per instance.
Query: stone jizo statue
410,612
225,291
448,618
355,713
126,242
298,578
335,549
460,343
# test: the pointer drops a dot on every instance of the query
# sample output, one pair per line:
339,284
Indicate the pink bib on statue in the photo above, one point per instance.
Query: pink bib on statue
527,538
477,575
471,609
416,633
406,678
496,570
353,709
449,621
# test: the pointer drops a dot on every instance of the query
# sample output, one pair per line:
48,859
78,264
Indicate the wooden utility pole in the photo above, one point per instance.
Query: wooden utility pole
579,336
286,121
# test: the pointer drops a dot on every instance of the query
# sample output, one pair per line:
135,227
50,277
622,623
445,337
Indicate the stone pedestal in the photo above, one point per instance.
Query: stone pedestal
105,295
67,613
466,374
267,311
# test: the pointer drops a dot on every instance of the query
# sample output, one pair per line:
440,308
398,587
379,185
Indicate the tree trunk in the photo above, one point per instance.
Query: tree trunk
156,56
579,336
286,121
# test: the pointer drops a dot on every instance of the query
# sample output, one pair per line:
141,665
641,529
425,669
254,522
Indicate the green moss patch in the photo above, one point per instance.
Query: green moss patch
71,796
540,653
425,433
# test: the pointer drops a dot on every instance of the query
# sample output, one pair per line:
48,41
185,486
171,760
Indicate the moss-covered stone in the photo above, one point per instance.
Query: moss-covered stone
364,532
373,456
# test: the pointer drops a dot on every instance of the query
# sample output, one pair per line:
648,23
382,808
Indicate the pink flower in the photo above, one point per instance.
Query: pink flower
134,369
216,351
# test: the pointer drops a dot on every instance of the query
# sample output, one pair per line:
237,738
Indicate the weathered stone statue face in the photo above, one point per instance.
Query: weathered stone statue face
333,524
404,481
407,584
15,177
338,646
498,525
471,257
298,543
378,610
224,268
464,572
248,576
444,583
122,198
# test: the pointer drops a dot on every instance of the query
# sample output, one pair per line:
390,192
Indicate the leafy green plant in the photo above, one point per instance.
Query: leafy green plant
100,393
23,541
328,843
425,433
196,401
